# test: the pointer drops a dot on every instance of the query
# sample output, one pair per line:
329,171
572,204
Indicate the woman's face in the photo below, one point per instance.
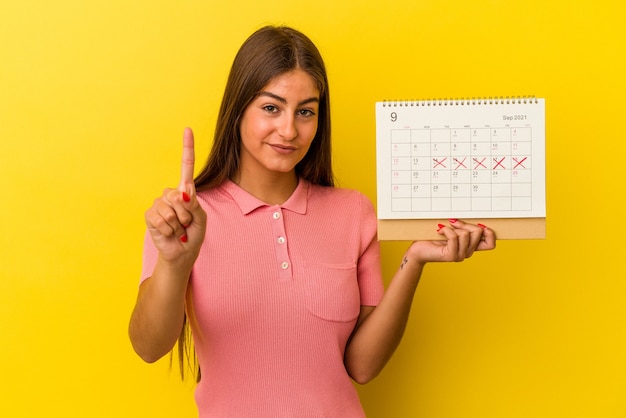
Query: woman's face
279,125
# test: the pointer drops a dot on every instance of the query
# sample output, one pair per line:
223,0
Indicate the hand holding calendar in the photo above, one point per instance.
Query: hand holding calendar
461,239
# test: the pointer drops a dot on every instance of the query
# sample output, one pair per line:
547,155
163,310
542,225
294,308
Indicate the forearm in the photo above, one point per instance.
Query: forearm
376,338
157,319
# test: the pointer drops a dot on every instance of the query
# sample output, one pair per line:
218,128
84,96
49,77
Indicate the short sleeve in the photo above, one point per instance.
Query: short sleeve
150,256
369,269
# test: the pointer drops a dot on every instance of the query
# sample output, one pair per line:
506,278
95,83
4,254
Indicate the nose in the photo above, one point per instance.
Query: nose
287,128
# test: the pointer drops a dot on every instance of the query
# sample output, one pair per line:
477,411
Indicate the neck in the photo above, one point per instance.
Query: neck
273,189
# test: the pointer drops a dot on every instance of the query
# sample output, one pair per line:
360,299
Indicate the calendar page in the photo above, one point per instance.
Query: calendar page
461,159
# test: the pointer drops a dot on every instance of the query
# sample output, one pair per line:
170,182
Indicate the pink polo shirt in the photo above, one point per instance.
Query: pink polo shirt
274,296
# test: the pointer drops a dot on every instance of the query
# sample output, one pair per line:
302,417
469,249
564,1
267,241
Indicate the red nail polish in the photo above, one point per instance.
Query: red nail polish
183,238
440,226
186,197
482,226
452,220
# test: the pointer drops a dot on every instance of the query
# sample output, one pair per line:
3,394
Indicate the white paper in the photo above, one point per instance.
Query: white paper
461,159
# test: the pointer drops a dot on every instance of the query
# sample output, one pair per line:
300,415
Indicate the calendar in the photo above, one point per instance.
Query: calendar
477,158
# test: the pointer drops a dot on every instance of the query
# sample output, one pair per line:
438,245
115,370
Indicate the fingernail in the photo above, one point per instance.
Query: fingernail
452,220
184,238
440,226
186,197
482,226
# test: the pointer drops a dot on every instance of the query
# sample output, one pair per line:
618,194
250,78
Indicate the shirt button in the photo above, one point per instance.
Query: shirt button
281,240
285,265
276,215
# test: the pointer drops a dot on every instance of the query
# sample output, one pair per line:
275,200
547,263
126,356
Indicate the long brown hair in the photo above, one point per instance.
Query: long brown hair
269,52
266,54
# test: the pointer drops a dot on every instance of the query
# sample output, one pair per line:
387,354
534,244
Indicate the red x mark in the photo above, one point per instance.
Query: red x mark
498,163
479,163
439,163
520,162
460,163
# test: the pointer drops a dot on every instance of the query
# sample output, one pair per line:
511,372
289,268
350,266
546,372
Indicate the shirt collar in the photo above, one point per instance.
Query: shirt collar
297,202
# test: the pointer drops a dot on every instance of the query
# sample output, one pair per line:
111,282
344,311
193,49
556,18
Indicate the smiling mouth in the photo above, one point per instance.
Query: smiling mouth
282,148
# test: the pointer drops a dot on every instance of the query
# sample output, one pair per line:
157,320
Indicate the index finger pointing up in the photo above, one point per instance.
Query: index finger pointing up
186,174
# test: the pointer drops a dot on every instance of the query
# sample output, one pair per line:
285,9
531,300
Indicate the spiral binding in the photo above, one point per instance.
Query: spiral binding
462,101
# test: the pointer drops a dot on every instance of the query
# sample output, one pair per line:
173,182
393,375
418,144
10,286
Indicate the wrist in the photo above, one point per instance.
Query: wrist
177,270
412,264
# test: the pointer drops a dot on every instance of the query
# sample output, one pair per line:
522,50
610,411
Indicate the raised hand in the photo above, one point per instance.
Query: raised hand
175,220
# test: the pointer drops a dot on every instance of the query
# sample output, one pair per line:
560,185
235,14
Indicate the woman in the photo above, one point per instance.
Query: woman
276,271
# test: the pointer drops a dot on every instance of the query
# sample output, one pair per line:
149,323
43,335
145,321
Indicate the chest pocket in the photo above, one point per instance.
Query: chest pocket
331,291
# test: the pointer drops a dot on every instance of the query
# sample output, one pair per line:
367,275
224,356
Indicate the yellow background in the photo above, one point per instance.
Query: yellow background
94,96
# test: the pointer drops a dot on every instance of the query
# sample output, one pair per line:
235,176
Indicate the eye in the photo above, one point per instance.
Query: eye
306,112
270,108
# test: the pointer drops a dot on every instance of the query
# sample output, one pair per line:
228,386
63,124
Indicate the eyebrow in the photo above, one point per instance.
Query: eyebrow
284,101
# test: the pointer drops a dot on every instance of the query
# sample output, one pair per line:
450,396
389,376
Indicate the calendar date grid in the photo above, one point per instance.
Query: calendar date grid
461,169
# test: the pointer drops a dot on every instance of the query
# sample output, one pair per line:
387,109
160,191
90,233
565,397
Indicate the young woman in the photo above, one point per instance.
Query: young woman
276,271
